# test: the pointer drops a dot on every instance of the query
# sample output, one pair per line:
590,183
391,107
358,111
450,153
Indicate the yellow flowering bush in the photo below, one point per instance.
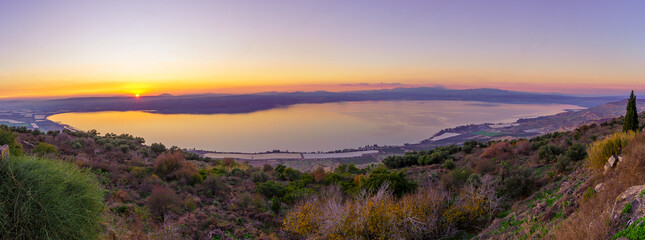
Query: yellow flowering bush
600,151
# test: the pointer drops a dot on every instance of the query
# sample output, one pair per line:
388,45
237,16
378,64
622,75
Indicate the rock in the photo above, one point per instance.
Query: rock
4,152
630,196
599,187
612,162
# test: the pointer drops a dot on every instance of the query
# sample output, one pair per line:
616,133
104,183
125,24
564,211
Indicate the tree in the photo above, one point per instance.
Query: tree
631,117
158,148
162,201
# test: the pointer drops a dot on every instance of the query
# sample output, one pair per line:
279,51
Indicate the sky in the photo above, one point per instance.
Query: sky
77,48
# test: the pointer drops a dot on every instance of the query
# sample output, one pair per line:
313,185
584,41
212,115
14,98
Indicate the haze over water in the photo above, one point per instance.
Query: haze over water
307,127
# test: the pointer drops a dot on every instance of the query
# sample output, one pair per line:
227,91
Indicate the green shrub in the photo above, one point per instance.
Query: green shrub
77,145
627,209
519,183
9,138
589,193
636,231
259,177
144,152
158,148
455,178
398,183
237,172
549,152
124,148
275,205
271,189
214,186
576,152
291,174
467,148
44,148
600,151
449,164
121,209
47,199
562,163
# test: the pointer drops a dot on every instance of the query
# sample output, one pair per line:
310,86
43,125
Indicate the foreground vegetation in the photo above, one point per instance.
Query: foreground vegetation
46,199
523,188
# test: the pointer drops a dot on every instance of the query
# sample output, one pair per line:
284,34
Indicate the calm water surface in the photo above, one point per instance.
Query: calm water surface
307,127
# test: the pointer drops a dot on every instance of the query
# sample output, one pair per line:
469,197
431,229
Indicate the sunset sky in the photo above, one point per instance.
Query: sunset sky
74,48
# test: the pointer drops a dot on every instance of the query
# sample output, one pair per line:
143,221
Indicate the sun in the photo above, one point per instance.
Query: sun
137,95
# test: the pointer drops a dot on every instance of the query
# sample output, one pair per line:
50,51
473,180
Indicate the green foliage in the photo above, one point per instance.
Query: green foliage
158,148
259,176
449,164
237,172
121,209
145,152
640,195
467,148
631,116
409,159
549,152
627,209
288,174
456,178
636,231
276,206
77,145
125,148
191,156
576,152
562,163
280,168
46,199
293,193
214,186
434,156
589,193
9,138
271,189
519,183
398,183
44,148
352,168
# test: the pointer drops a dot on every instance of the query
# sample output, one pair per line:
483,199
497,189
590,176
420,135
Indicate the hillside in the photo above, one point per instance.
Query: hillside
244,103
525,188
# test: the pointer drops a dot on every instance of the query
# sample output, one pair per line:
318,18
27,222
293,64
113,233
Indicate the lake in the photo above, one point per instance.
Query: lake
307,127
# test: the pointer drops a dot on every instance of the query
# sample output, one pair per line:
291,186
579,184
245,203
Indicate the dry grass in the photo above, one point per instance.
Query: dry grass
592,219
601,150
429,213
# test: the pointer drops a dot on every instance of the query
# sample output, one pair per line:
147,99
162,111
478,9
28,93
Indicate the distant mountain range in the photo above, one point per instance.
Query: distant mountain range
245,103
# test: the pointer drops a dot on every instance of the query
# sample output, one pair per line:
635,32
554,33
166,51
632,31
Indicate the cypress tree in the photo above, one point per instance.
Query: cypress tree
631,117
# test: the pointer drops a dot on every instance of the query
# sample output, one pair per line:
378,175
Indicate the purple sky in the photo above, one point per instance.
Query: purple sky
92,47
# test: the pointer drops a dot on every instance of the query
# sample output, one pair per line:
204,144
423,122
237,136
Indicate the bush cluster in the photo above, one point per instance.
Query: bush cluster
46,199
437,155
